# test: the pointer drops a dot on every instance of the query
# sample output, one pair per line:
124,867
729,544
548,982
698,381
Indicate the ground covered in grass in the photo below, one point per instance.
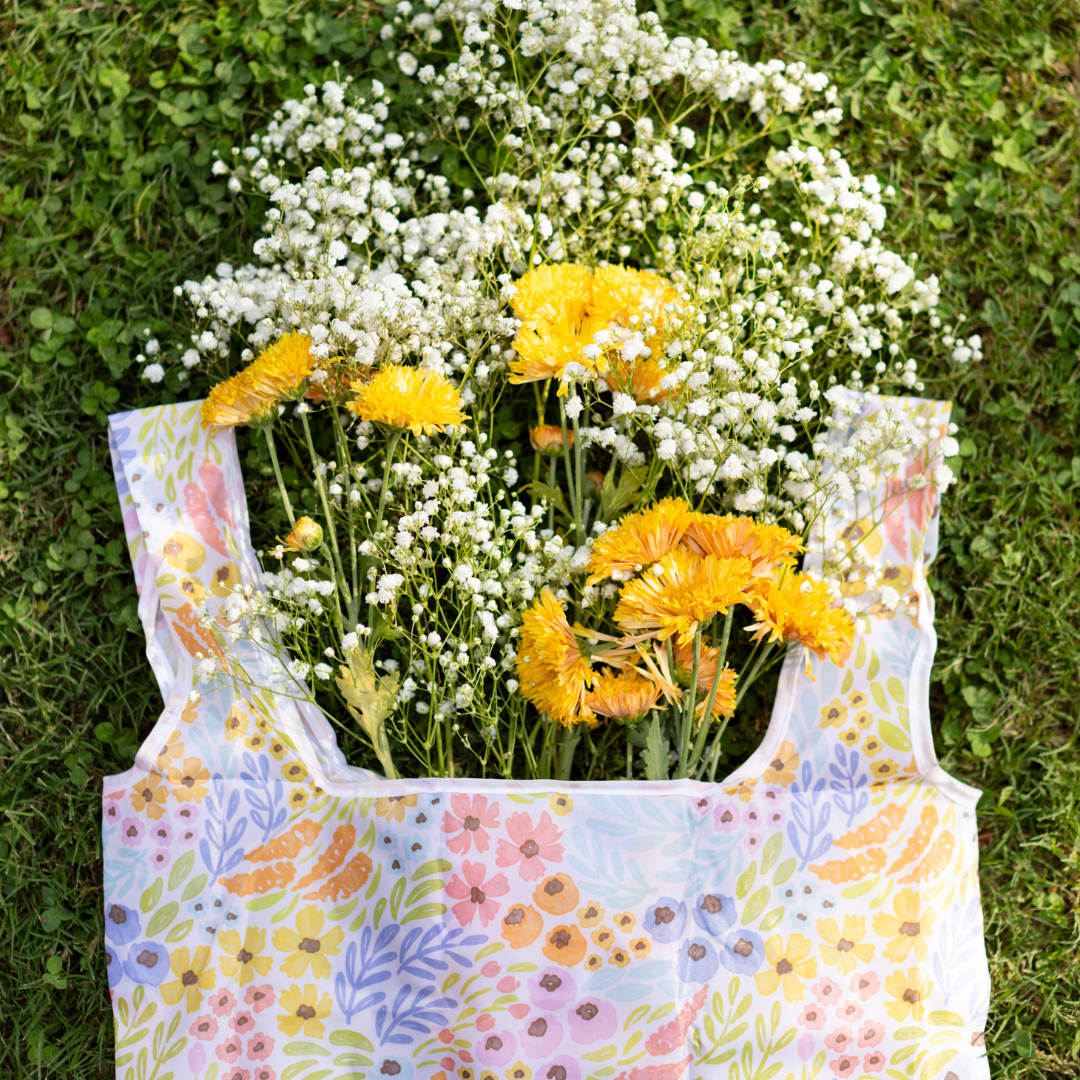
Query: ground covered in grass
108,118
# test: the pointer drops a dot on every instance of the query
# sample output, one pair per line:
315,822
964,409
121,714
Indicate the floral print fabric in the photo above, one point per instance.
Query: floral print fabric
274,914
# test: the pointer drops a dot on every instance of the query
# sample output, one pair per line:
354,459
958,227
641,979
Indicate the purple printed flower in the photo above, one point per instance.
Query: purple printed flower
591,1020
551,988
665,921
563,1067
132,830
112,967
147,963
714,913
742,952
698,960
196,1059
495,1048
121,924
161,833
541,1035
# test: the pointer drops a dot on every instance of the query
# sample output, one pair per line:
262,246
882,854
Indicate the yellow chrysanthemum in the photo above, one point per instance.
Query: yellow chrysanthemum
551,670
799,610
624,696
632,298
682,591
545,350
766,546
551,294
252,395
547,439
724,702
641,382
413,399
640,539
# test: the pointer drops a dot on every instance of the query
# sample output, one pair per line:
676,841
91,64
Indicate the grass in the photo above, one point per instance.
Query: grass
108,116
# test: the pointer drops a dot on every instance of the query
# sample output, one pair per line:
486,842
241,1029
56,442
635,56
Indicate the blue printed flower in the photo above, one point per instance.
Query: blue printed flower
714,913
112,967
698,960
665,921
742,952
121,924
147,962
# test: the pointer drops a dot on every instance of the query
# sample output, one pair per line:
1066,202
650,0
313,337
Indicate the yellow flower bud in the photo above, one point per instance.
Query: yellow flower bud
548,439
306,535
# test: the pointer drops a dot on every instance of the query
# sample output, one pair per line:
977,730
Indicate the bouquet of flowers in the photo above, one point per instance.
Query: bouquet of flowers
567,369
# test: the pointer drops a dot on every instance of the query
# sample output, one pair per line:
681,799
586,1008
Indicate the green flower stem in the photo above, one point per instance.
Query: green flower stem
688,710
346,457
699,744
277,473
579,483
331,528
391,450
551,504
568,741
570,486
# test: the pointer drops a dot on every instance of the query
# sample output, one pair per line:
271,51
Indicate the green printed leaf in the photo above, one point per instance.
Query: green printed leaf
906,1033
424,911
892,736
297,1067
783,872
896,688
935,1063
396,893
771,852
193,887
180,931
874,667
860,653
261,903
344,911
435,866
489,950
284,913
150,897
181,869
940,1016
349,1059
849,678
297,1049
772,919
877,692
753,910
746,881
605,1053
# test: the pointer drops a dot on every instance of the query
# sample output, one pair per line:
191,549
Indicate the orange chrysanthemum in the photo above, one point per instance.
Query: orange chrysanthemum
409,398
552,672
545,350
252,395
551,294
642,382
548,439
766,546
640,539
624,696
799,610
680,593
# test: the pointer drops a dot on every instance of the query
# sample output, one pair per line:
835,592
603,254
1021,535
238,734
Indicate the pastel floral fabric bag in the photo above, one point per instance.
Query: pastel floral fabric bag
273,913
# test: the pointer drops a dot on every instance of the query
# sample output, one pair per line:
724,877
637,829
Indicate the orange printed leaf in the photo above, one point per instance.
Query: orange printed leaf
261,880
331,858
853,869
875,831
288,845
918,840
935,862
343,885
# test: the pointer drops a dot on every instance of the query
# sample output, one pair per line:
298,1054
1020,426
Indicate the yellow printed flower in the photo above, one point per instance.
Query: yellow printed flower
519,1071
625,921
799,611
871,746
544,351
850,737
624,696
264,725
308,944
294,771
303,1010
883,770
787,967
278,749
910,992
640,947
150,795
594,962
242,959
551,670
393,808
236,724
561,804
590,915
833,714
863,719
844,949
744,789
255,741
639,540
766,546
552,293
680,593
858,699
298,798
189,783
782,768
413,399
603,937
619,957
908,928
252,395
170,752
192,977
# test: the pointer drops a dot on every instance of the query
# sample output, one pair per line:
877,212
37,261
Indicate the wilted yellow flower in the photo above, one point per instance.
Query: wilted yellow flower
306,535
548,439
552,293
680,593
545,350
624,696
766,546
799,610
640,539
413,399
552,672
252,395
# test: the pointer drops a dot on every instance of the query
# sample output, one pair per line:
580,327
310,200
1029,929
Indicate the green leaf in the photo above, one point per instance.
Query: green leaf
656,752
746,881
150,897
181,869
162,918
351,1038
435,866
947,145
892,736
41,318
614,498
771,852
756,905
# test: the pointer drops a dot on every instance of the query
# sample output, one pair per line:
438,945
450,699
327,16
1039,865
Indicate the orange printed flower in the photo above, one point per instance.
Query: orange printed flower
782,768
150,795
565,946
189,783
744,789
170,752
556,895
787,966
521,925
639,540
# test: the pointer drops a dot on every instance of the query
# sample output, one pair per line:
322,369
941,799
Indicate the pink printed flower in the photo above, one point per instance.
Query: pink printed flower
160,859
866,985
260,997
845,1066
774,817
230,1049
871,1033
243,1023
264,1072
725,818
874,1062
490,969
132,830
507,985
540,1036
475,893
702,806
222,1002
849,1011
812,1017
753,817
471,818
259,1047
530,846
753,842
234,1072
111,812
161,833
485,1022
203,1027
826,991
840,1040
